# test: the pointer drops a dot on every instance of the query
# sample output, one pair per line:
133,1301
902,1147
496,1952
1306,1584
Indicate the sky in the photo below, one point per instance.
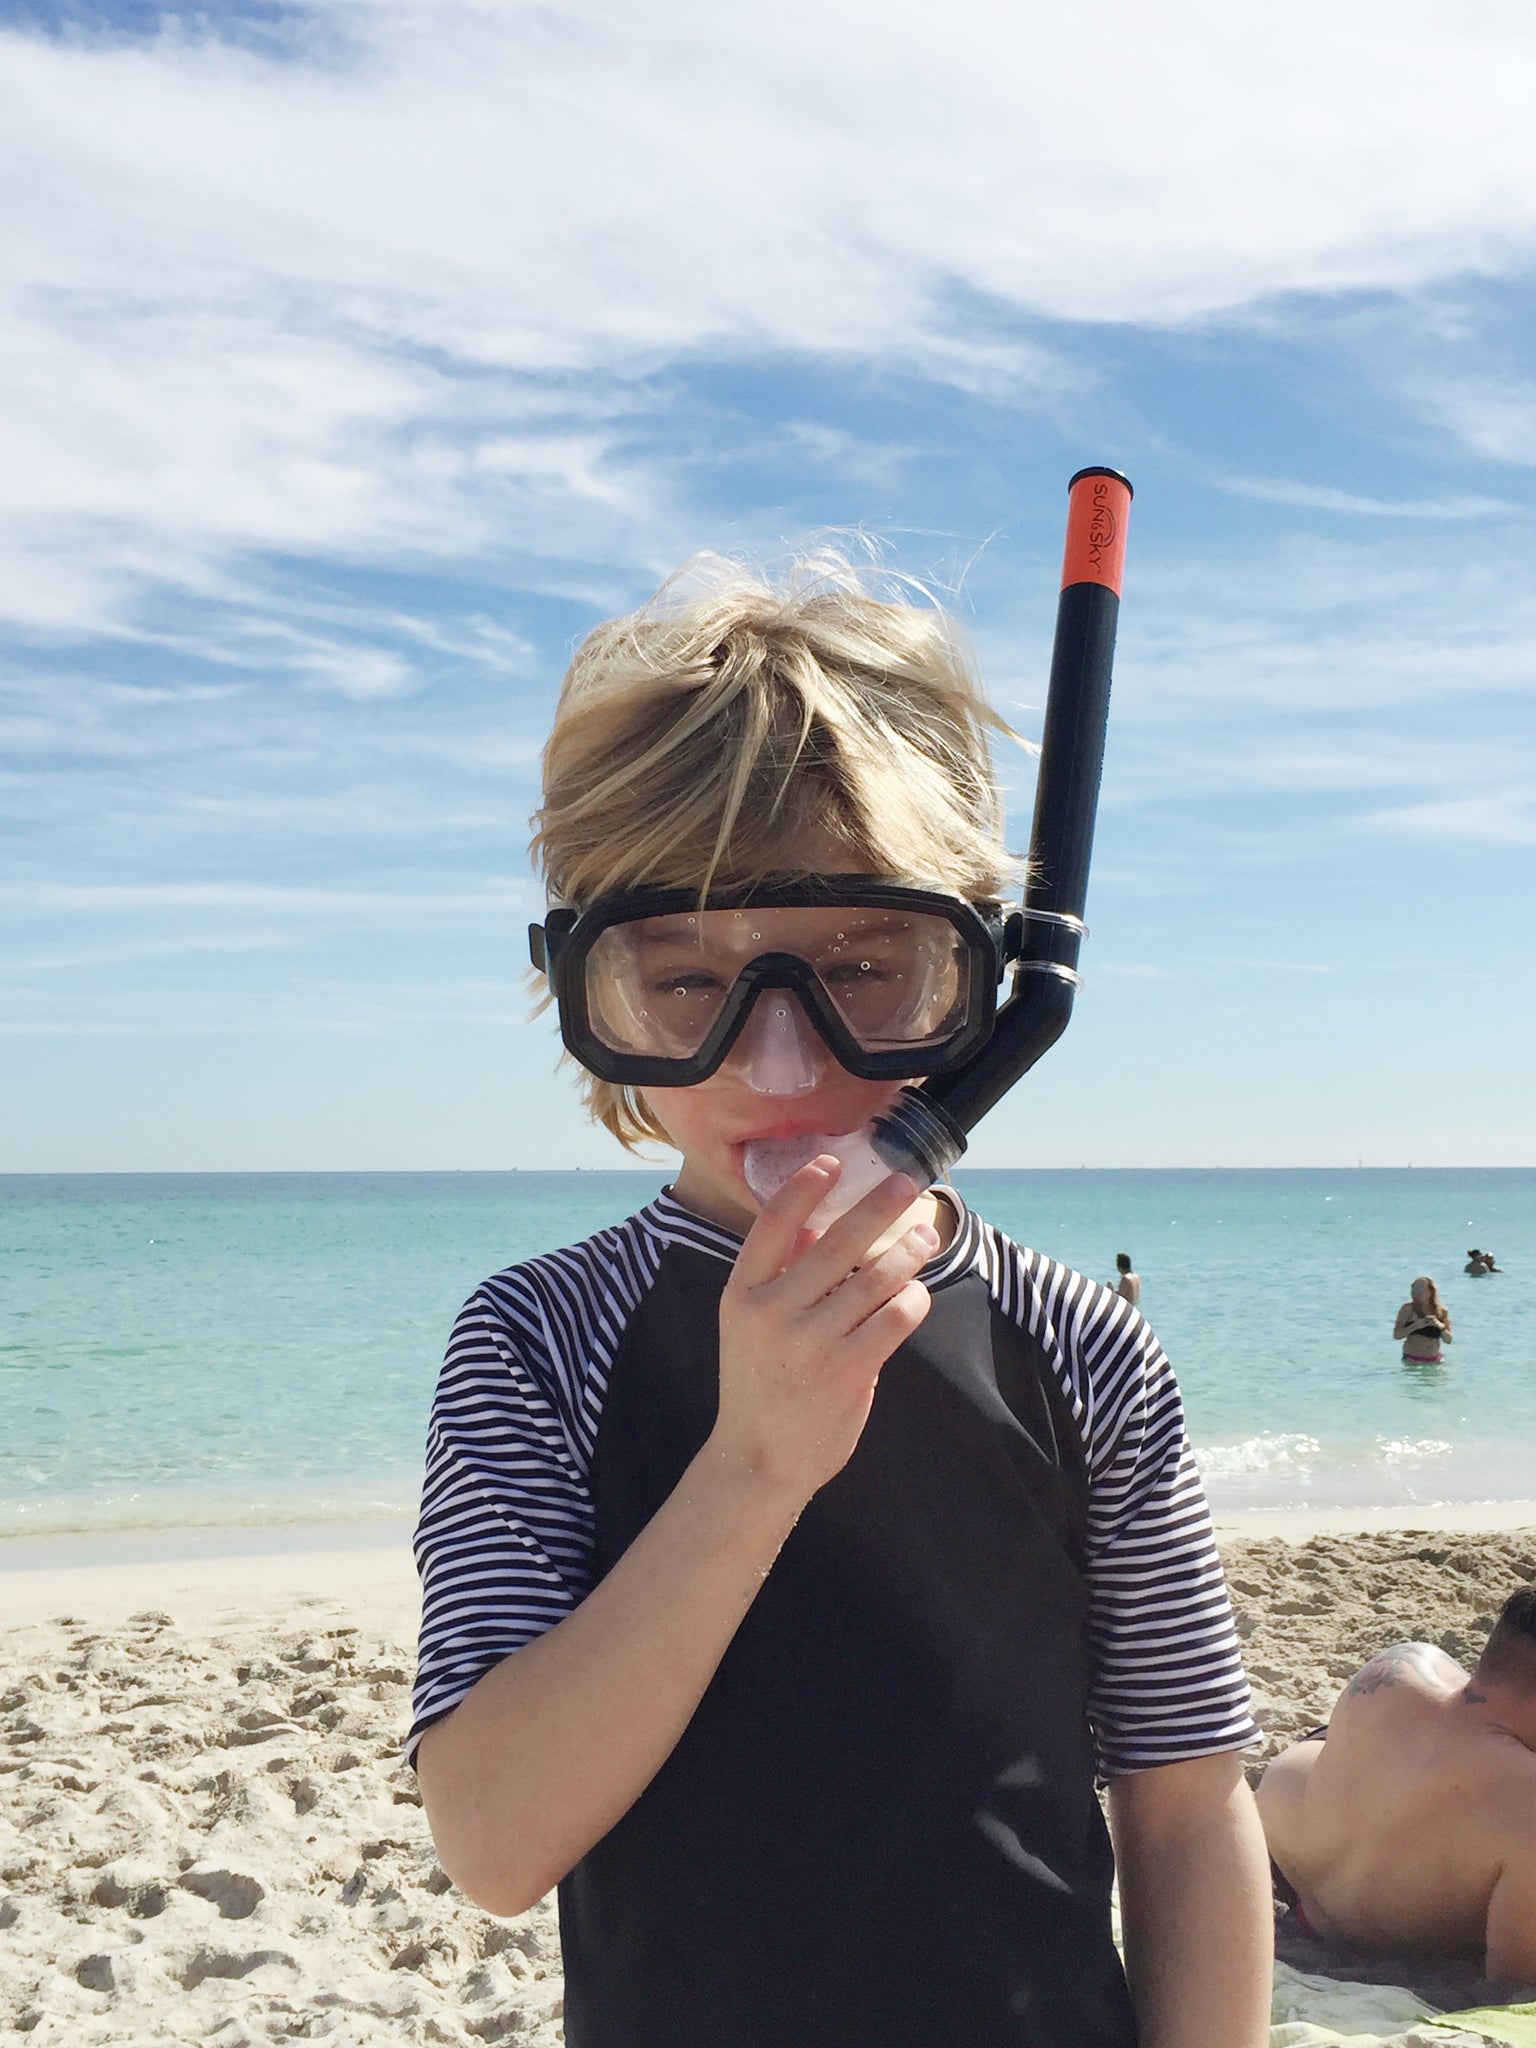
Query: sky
359,357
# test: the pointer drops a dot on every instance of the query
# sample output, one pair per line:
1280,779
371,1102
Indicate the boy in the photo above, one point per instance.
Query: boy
786,1586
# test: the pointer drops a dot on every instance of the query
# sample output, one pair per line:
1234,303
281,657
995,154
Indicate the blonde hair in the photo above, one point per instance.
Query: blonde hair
730,721
1436,1305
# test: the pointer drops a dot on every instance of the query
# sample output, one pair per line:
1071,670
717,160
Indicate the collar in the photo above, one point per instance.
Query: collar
667,1220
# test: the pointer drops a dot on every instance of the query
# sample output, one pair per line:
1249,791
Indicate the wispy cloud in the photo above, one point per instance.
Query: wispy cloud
393,283
1495,417
359,672
133,952
1282,966
1491,816
1305,625
1325,498
311,1009
493,902
1270,757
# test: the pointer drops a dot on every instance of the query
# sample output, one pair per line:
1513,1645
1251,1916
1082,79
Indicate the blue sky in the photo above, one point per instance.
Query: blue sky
358,358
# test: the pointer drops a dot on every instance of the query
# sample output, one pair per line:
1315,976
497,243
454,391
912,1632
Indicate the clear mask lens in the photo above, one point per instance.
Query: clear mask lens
657,986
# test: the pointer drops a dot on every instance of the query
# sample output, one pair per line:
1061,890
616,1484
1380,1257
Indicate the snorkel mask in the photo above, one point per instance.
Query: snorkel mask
658,988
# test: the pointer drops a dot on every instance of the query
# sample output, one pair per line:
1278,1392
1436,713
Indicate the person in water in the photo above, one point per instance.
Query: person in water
1128,1286
1480,1263
788,1584
1423,1324
1410,1822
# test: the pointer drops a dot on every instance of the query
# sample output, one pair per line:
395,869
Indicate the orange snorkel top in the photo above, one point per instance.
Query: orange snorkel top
1098,512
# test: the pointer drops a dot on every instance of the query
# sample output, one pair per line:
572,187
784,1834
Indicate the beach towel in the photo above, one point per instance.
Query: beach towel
1326,2012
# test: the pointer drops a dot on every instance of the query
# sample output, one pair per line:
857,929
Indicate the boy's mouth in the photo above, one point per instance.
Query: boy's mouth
782,1127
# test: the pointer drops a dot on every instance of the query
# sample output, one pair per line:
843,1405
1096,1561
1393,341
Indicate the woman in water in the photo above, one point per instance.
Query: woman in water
1423,1323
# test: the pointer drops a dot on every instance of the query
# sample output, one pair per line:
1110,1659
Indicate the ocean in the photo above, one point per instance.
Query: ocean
185,1349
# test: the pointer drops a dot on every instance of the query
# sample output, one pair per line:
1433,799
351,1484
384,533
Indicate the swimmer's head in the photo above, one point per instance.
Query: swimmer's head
734,728
1123,1261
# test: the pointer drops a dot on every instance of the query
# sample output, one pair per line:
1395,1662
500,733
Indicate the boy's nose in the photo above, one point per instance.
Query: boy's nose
780,1052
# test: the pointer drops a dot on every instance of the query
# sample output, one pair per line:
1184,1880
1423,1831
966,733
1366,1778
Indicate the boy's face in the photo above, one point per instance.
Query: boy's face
711,1124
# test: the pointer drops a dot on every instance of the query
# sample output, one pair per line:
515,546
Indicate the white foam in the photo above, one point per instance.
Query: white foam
1270,1451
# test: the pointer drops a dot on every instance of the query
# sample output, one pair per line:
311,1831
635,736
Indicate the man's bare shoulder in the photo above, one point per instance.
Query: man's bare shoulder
1416,1668
1490,1772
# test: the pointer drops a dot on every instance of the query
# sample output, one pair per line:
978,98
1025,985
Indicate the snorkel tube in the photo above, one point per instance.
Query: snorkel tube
926,1131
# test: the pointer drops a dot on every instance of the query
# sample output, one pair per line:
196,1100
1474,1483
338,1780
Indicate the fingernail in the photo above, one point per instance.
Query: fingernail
925,1236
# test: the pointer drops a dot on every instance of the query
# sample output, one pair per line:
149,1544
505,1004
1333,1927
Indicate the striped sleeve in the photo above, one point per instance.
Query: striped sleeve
1168,1681
504,1539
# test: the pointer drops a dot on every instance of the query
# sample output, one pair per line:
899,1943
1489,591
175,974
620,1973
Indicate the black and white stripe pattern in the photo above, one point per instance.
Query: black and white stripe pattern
1168,1675
504,1543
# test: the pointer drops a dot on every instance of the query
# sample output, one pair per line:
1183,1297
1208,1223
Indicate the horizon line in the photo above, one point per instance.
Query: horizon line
642,1168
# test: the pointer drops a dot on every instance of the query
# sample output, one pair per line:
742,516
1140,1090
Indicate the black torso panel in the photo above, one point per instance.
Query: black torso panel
879,1830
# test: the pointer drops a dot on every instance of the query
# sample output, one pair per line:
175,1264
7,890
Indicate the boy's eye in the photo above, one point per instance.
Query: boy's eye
687,981
856,973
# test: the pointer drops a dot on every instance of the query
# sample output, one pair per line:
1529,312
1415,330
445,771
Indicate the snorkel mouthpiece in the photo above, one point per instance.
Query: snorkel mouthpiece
908,1141
926,1130
768,1162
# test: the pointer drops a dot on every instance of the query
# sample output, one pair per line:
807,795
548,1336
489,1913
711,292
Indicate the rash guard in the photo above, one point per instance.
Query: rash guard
880,1829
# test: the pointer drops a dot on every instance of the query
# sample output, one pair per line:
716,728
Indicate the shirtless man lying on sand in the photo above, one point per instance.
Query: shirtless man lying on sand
1413,1825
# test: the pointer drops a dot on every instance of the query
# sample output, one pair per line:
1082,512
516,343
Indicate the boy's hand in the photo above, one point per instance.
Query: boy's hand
805,1326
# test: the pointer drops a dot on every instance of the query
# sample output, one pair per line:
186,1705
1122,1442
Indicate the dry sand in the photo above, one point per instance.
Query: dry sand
1311,1612
207,1833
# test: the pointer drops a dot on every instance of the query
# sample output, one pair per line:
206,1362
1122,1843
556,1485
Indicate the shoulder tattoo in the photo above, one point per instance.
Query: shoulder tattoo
1384,1669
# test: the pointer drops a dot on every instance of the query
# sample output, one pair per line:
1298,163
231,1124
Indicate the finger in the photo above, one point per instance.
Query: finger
770,1243
887,1329
872,1285
846,1243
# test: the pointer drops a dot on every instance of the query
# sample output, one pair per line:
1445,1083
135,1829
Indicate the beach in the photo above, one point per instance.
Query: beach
208,1834
217,1389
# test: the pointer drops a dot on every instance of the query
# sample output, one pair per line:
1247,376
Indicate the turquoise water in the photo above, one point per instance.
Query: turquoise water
181,1348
